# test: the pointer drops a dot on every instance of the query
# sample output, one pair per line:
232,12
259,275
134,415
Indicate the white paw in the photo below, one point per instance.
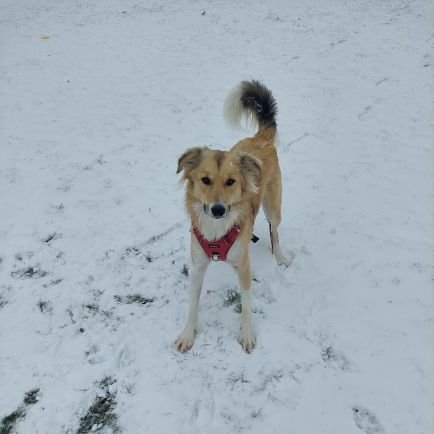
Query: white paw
185,340
281,258
247,339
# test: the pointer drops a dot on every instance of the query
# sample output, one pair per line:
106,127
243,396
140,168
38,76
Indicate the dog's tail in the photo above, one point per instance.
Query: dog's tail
254,102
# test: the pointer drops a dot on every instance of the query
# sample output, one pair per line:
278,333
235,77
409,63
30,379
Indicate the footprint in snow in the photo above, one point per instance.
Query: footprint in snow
366,421
336,359
203,407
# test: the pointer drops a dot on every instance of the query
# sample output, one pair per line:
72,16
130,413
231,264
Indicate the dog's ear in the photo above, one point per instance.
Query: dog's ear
189,160
250,168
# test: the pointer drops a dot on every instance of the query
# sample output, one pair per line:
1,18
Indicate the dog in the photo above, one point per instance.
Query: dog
224,190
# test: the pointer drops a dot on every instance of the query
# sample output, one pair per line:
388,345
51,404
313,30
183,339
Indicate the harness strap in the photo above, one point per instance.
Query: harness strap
217,250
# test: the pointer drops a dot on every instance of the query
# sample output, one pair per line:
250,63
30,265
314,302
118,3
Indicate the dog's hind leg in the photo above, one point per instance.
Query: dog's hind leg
272,203
200,264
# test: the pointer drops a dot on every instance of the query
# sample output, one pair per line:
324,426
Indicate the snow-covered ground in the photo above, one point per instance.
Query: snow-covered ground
97,101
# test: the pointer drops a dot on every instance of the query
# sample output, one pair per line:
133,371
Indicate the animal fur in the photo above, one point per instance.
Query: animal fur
224,188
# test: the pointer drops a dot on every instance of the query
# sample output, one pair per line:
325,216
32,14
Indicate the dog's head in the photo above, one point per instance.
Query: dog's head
218,181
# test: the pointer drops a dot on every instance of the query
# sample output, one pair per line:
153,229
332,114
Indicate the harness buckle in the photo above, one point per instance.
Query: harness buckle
215,256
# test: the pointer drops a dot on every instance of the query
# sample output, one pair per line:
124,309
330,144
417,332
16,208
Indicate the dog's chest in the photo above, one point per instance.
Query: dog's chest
234,254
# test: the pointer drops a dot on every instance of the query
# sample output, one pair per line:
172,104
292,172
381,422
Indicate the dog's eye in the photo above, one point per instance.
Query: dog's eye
230,181
206,180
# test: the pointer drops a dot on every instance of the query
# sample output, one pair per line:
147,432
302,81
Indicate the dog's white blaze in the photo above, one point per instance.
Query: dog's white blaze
211,228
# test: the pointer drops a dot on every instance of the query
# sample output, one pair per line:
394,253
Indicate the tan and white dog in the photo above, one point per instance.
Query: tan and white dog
224,190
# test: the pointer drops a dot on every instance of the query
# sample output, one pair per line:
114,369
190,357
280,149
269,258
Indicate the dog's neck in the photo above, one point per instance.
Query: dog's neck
211,228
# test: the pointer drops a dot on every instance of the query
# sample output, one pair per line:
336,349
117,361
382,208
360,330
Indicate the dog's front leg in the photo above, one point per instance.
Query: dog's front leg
200,263
247,338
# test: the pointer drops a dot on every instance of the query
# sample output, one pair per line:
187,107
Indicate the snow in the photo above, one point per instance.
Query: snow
98,100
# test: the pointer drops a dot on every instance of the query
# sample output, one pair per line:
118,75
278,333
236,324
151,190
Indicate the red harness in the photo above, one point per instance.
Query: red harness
218,250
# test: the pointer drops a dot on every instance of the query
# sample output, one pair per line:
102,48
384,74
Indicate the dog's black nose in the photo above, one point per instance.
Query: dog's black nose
218,210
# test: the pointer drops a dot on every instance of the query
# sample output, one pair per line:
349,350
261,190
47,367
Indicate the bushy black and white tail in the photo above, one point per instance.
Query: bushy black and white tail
252,101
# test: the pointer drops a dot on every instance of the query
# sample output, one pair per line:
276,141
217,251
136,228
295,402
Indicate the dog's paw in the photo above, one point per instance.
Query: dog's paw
185,340
247,339
282,259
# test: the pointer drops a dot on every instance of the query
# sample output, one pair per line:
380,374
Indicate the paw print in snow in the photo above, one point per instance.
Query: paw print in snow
366,421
